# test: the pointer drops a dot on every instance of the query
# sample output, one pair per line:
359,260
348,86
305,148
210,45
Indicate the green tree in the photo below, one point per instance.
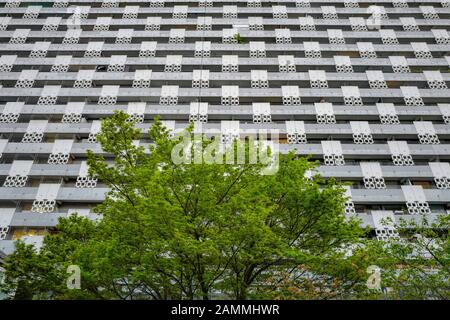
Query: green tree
172,230
417,266
339,275
414,267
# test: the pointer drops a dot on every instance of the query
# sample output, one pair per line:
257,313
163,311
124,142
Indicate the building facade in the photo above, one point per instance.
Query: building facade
359,85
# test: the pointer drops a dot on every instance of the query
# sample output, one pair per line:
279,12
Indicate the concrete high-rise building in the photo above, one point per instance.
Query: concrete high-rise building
361,85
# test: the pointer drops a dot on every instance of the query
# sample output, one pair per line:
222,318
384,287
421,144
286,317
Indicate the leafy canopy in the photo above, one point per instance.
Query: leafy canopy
182,231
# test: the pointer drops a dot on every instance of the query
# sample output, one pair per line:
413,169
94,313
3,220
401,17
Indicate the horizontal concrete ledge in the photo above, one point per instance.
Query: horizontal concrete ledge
359,196
401,131
124,77
351,150
216,61
153,94
241,2
347,171
181,111
168,10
